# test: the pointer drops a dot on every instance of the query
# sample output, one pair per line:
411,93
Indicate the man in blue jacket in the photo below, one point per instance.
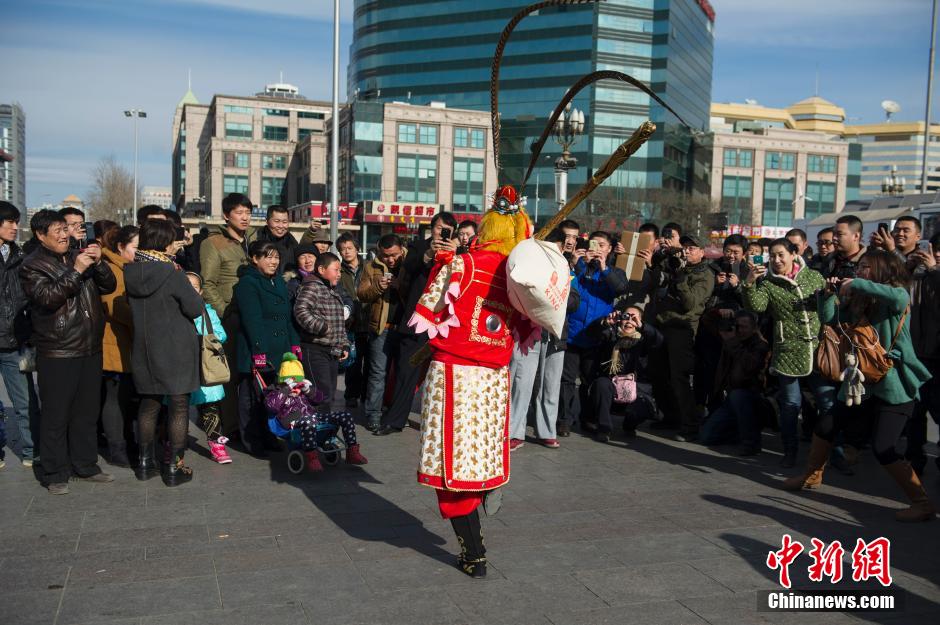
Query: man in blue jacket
599,285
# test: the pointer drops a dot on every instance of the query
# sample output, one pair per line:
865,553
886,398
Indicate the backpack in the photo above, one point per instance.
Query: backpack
860,339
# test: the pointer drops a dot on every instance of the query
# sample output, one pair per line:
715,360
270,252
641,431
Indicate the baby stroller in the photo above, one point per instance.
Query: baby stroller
327,442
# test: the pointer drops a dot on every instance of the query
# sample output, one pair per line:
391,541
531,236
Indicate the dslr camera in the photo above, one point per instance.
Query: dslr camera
674,260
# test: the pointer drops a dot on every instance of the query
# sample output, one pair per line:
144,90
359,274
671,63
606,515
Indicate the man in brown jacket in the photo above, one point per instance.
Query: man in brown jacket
379,287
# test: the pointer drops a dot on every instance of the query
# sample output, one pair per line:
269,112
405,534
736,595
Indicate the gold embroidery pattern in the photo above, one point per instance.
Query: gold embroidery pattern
433,296
475,322
480,396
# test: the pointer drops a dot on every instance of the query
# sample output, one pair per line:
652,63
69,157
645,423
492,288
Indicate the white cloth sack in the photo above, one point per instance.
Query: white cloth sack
539,283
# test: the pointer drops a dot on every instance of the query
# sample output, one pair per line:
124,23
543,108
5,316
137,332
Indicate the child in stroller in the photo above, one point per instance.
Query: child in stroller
292,403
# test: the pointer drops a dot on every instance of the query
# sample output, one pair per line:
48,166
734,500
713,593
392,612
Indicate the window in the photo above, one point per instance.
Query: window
310,115
367,178
469,138
417,178
778,203
736,196
780,160
739,158
303,133
818,163
468,185
231,108
477,138
368,131
237,131
407,133
273,191
235,159
277,112
234,184
820,199
273,161
427,135
275,133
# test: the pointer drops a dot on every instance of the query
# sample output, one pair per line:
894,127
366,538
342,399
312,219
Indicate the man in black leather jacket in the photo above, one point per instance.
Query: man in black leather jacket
64,289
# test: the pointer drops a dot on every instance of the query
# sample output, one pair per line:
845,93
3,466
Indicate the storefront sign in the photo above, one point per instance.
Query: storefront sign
400,213
707,9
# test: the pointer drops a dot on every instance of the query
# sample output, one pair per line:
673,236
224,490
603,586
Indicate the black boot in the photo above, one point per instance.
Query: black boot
147,467
117,455
472,559
176,473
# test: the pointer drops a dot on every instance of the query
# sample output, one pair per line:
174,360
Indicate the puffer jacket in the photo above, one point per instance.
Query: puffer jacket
682,302
925,314
598,290
319,314
377,298
792,305
222,258
14,319
65,306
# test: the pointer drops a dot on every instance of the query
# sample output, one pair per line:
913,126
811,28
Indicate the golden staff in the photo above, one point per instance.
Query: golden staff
627,149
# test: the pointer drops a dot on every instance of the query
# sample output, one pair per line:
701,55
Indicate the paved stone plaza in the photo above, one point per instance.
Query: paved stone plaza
649,531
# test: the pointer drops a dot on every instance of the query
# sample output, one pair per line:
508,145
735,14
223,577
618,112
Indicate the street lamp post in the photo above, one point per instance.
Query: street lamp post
893,184
568,128
136,114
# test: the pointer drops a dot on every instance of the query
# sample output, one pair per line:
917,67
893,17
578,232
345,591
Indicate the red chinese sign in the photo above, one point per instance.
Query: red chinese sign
400,213
871,560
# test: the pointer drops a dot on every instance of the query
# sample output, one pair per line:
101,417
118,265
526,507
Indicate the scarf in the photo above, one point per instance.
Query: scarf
153,256
624,341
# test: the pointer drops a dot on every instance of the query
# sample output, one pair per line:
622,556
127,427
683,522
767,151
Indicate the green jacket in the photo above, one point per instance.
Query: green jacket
684,301
792,306
267,325
908,374
221,257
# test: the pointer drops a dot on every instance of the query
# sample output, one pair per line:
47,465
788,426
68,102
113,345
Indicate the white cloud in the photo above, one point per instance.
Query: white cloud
319,10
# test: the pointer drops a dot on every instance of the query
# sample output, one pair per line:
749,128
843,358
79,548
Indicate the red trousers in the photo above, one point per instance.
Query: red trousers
457,503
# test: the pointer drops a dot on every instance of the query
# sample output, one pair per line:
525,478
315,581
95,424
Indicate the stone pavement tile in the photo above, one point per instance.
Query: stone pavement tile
170,549
652,613
431,546
239,561
417,571
151,536
751,541
525,599
31,525
36,607
112,601
550,559
236,527
737,609
40,545
652,582
132,518
190,565
388,607
120,621
273,614
80,498
742,574
289,584
37,576
93,559
676,546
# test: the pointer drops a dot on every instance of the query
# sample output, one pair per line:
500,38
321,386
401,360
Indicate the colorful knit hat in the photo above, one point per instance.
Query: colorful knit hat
291,369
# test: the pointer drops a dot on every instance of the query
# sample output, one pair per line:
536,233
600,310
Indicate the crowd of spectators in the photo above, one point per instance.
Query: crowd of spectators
708,347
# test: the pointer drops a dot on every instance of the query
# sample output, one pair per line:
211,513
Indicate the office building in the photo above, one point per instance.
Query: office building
442,52
897,145
246,145
13,158
160,196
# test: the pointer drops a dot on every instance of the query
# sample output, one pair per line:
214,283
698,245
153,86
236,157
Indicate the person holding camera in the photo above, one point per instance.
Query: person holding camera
788,295
740,377
628,342
405,342
599,285
680,302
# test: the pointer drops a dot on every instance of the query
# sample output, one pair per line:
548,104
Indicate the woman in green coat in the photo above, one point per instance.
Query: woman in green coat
787,293
265,334
879,294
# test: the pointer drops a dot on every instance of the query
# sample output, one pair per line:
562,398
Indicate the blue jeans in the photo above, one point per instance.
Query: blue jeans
790,400
15,382
375,383
738,418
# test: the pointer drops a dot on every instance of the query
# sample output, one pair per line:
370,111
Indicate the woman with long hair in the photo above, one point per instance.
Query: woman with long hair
879,296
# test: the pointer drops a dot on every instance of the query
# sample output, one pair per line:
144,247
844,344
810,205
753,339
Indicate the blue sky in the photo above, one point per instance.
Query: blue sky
75,65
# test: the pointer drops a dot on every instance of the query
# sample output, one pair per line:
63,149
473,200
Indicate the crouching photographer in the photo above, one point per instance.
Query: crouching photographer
687,284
